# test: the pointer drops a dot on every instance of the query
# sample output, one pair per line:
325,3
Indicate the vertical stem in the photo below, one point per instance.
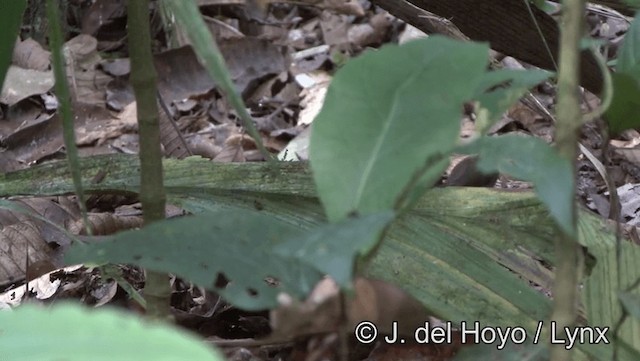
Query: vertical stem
64,98
152,194
568,258
190,18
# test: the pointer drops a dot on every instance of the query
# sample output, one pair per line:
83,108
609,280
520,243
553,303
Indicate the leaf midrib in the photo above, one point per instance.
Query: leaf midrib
381,139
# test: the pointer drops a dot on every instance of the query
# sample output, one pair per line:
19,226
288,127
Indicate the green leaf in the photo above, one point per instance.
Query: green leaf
616,269
11,19
532,160
332,248
495,102
73,333
232,242
624,111
466,253
631,303
459,251
386,115
626,352
629,56
511,352
193,25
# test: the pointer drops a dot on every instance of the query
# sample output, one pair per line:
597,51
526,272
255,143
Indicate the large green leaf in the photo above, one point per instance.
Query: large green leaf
466,254
629,56
246,247
629,352
10,18
73,333
512,352
624,111
332,248
531,159
386,115
235,245
615,270
631,303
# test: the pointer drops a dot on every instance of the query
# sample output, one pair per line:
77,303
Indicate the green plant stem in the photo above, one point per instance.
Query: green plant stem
64,98
189,17
152,194
569,121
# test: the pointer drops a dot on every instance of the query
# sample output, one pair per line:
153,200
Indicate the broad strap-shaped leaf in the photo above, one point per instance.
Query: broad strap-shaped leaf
532,160
332,248
510,352
74,333
386,115
193,175
232,244
627,352
458,252
616,271
631,303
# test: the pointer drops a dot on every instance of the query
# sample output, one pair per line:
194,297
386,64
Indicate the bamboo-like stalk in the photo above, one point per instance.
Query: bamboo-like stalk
152,194
568,255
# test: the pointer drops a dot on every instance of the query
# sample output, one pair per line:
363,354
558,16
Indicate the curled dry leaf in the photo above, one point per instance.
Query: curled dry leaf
233,148
29,54
22,83
88,83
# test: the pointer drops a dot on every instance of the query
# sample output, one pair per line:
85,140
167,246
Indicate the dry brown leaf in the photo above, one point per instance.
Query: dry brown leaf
375,301
87,82
29,54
